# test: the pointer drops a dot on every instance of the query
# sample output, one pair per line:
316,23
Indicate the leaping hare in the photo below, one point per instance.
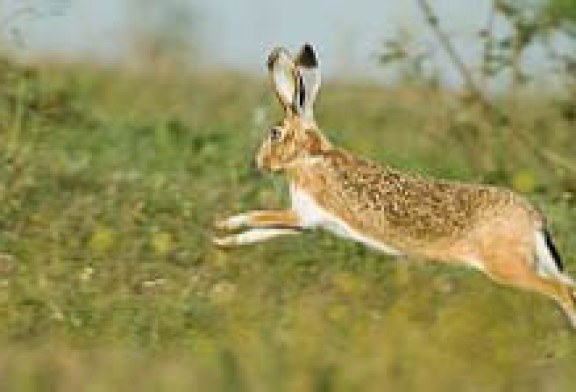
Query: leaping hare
491,229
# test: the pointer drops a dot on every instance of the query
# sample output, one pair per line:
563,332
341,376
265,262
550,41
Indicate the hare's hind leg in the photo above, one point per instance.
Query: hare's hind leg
518,270
569,307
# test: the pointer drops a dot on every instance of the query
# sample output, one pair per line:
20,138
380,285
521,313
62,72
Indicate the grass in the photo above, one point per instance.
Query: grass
110,181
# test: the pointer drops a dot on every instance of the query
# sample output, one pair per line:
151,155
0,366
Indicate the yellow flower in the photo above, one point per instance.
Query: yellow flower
102,239
524,181
161,243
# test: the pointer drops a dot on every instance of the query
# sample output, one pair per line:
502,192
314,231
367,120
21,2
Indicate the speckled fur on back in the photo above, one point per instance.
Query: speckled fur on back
407,211
491,229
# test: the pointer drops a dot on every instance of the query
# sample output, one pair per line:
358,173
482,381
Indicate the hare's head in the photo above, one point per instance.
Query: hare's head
297,137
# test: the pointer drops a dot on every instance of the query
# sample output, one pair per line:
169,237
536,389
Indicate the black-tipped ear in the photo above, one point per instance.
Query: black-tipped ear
307,67
307,57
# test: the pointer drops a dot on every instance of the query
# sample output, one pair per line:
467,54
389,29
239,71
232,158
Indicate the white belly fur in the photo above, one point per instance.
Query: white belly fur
313,215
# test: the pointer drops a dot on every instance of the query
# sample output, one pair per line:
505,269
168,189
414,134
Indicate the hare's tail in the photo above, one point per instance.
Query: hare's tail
550,265
548,260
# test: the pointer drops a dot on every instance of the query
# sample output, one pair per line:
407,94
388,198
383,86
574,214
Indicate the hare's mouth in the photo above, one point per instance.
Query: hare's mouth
265,163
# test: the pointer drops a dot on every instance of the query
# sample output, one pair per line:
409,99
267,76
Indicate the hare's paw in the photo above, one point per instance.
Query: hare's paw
225,242
252,236
232,222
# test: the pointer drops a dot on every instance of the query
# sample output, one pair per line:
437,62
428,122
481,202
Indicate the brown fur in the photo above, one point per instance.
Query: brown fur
404,210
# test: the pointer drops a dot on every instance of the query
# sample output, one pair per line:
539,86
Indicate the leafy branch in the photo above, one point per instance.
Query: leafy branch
525,31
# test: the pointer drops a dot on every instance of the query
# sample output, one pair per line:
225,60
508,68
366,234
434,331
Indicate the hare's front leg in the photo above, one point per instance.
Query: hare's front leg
252,236
264,225
261,219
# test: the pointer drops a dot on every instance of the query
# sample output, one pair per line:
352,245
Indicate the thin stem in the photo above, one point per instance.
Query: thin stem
445,41
488,35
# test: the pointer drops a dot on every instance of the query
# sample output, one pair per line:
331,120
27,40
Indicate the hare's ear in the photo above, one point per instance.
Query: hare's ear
285,79
309,74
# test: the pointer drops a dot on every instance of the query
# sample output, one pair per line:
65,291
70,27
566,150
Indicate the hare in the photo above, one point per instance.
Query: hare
490,229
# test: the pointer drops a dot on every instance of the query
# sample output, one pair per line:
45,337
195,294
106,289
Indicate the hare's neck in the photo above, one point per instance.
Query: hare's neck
310,171
303,172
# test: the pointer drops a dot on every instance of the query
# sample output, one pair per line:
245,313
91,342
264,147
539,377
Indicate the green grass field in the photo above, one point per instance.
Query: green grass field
110,181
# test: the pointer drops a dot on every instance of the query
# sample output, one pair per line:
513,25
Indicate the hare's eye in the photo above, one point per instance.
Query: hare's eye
275,133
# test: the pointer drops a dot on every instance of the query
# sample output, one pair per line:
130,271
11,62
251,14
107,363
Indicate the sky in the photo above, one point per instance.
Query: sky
239,34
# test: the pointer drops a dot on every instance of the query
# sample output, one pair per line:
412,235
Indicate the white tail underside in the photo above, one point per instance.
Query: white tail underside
545,263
